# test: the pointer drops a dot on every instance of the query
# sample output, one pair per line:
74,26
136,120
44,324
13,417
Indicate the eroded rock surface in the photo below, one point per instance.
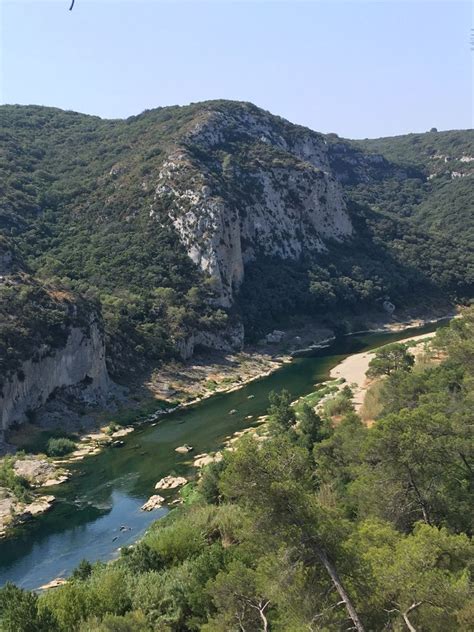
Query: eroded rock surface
171,482
267,189
154,502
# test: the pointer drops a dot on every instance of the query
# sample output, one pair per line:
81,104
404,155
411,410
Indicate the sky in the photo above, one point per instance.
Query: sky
360,69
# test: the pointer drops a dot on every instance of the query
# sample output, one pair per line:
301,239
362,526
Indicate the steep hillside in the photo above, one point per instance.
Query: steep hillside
185,222
49,340
437,195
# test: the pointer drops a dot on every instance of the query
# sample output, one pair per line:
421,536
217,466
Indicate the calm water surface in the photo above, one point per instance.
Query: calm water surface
107,490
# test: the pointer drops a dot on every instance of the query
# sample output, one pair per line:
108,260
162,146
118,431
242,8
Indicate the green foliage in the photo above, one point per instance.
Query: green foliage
60,446
237,599
391,358
209,482
82,571
70,604
338,455
141,558
76,204
311,428
401,478
414,205
317,525
17,485
333,524
75,213
177,540
19,612
339,404
134,621
373,405
33,316
281,413
433,564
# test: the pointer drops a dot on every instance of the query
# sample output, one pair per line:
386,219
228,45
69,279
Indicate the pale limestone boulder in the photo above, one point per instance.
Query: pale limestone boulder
154,502
171,482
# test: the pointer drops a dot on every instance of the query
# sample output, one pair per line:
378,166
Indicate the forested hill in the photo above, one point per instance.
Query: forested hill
444,161
182,223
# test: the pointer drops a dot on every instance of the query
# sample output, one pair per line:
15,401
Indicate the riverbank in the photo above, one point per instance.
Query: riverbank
99,510
353,369
350,371
185,384
23,480
180,386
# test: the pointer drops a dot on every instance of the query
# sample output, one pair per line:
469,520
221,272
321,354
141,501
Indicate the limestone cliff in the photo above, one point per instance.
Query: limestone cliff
231,338
78,366
51,339
265,188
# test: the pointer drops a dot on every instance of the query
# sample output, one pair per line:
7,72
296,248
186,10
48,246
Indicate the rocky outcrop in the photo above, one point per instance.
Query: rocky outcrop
171,482
154,502
228,340
266,190
79,366
14,511
184,449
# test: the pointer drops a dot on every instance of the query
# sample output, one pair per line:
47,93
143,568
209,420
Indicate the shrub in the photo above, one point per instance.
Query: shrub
60,447
372,406
340,404
14,483
141,558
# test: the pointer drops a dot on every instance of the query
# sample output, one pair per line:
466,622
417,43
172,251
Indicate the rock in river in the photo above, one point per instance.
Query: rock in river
40,505
171,482
154,502
184,449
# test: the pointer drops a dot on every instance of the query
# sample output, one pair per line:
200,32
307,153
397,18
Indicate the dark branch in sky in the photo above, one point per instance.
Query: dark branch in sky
72,4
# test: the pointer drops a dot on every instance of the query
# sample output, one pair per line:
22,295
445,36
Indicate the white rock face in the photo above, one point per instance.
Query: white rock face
230,339
280,203
79,364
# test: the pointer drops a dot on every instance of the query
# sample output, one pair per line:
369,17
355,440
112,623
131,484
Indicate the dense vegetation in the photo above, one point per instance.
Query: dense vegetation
35,316
75,199
431,192
80,228
327,524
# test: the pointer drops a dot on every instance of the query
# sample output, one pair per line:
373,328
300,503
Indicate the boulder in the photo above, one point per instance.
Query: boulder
56,481
184,449
205,459
171,482
154,502
38,506
34,469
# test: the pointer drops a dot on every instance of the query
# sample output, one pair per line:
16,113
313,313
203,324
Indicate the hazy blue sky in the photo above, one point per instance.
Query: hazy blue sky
356,68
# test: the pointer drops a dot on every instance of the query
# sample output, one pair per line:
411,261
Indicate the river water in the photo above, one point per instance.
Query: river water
98,510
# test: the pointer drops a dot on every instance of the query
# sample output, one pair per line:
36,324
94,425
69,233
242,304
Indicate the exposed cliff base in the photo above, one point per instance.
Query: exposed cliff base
211,372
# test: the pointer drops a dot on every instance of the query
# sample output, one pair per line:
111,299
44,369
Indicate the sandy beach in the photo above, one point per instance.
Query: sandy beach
354,368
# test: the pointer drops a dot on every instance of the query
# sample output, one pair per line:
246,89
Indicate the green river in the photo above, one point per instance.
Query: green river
106,491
